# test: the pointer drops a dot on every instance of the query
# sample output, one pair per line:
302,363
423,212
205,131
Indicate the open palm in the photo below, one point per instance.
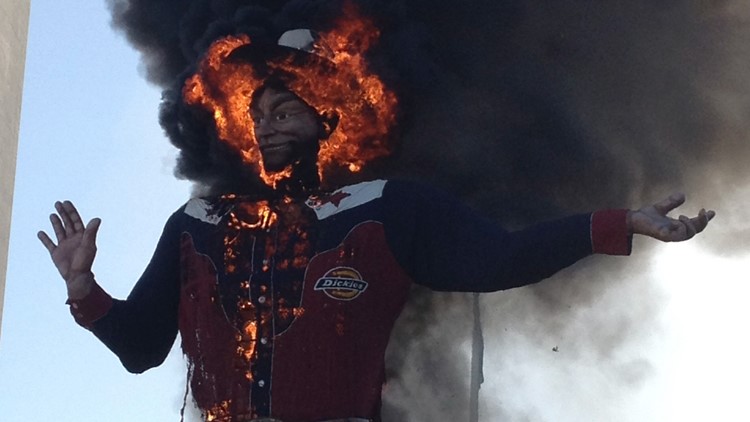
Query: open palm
653,221
74,253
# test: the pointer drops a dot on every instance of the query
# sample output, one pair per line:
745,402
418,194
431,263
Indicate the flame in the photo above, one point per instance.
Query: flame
341,84
249,336
278,228
286,311
219,412
245,216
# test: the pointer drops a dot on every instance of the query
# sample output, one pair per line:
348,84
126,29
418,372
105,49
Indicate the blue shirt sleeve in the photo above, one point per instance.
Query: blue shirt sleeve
446,246
142,329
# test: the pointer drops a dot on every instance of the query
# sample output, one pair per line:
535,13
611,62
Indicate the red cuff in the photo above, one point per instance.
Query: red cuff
609,233
95,305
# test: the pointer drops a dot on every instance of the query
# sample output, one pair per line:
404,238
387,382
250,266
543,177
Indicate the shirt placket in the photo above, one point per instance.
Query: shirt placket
261,295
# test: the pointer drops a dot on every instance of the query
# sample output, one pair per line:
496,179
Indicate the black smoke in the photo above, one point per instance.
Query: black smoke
526,109
549,106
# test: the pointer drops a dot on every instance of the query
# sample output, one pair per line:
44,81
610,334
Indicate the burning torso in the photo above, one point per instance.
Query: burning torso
285,306
294,306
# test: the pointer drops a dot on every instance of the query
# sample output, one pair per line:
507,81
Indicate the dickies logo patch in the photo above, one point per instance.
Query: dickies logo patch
341,283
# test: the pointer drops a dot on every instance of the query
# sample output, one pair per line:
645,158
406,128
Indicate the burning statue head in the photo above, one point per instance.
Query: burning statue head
287,130
326,79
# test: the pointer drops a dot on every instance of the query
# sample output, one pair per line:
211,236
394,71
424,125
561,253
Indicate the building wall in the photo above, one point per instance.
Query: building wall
14,20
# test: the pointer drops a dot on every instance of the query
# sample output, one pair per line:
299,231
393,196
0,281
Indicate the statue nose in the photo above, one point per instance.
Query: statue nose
264,127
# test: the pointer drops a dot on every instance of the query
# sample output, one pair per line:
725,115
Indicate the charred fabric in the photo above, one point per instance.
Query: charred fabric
525,109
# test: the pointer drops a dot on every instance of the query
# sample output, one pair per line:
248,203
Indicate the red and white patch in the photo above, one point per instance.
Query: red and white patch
346,198
341,283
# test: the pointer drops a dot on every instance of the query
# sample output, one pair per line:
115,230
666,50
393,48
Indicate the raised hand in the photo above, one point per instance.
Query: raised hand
74,253
653,221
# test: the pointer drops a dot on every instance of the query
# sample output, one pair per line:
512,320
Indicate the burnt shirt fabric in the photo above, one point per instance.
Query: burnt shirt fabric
285,306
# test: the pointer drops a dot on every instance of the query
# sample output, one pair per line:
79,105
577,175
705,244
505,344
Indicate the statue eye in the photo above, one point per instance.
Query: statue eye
282,116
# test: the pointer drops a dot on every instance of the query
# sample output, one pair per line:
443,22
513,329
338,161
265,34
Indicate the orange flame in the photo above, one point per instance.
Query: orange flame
247,347
219,412
345,87
245,216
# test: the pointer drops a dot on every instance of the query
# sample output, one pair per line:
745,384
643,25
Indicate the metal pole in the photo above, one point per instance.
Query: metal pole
477,361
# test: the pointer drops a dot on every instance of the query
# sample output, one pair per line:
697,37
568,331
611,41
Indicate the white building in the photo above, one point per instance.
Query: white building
14,22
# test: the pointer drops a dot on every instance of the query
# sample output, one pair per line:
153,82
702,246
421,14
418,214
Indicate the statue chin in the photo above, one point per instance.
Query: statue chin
273,167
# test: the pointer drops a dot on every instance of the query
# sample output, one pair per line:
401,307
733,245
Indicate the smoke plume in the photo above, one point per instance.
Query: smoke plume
527,110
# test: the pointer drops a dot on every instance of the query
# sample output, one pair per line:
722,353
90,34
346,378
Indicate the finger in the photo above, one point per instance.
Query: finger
67,223
46,241
89,235
71,218
701,221
75,218
665,206
57,226
690,229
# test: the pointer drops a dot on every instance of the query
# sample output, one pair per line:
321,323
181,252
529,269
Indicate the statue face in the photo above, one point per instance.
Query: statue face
286,128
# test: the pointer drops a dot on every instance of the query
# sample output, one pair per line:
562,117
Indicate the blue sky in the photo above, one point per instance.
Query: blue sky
89,133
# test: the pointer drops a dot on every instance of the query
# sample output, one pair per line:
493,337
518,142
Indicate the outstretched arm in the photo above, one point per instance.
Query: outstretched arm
445,246
141,329
74,253
653,221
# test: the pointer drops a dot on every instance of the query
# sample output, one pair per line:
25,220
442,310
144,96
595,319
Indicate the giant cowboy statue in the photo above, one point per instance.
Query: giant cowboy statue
285,284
